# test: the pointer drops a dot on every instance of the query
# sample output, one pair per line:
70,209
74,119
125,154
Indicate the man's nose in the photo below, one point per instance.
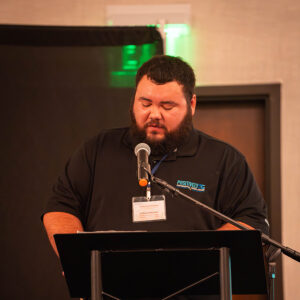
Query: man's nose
155,112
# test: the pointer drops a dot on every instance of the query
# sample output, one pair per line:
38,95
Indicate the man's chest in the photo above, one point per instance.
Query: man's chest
114,186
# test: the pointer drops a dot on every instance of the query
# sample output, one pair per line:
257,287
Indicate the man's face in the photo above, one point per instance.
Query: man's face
159,109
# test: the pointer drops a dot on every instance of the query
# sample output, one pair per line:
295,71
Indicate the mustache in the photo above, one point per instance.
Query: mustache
154,123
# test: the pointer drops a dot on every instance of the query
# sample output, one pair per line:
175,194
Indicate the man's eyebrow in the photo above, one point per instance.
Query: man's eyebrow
168,102
144,98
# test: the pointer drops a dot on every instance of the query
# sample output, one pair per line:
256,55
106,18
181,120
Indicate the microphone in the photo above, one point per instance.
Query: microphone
142,152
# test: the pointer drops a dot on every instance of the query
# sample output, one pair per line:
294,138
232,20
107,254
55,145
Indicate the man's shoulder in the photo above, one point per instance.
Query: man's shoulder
113,134
110,136
214,144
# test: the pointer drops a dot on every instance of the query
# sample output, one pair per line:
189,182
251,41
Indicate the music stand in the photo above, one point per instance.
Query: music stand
157,264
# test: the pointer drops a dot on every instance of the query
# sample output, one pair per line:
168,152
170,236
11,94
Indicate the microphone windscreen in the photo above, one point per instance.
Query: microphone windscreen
142,146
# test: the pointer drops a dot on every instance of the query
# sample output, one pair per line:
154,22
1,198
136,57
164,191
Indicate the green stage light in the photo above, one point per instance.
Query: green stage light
174,32
133,56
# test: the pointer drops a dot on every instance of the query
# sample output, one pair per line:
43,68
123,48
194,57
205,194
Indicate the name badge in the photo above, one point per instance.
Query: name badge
147,210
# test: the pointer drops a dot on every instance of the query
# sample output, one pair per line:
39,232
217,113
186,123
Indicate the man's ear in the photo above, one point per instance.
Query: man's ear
193,104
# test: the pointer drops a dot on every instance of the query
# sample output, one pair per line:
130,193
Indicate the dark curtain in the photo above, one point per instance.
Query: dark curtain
59,87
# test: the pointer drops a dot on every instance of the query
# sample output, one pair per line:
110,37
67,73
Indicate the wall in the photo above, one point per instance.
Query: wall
232,42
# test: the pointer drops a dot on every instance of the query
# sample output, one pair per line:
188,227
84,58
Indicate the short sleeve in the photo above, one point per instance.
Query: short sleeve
240,195
72,189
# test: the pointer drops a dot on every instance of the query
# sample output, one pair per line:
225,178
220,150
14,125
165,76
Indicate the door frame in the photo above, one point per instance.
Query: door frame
270,95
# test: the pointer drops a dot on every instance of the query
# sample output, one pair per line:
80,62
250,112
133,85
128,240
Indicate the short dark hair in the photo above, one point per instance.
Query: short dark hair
164,68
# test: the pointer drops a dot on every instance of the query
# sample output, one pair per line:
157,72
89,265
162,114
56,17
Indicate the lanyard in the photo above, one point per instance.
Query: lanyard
148,190
153,171
158,164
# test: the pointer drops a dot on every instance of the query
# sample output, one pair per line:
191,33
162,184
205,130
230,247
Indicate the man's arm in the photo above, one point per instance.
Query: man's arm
71,192
239,195
228,226
60,222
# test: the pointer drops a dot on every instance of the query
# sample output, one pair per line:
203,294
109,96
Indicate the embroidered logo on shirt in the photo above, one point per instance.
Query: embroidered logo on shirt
192,186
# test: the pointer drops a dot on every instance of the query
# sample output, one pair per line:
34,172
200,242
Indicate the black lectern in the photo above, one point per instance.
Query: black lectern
159,264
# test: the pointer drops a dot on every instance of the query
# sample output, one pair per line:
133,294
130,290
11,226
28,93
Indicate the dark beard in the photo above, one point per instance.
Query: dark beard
172,139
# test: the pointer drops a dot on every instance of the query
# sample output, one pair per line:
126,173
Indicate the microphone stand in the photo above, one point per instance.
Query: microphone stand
272,252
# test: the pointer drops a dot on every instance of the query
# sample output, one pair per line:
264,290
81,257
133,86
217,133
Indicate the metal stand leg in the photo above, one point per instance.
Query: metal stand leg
272,275
271,256
225,274
96,278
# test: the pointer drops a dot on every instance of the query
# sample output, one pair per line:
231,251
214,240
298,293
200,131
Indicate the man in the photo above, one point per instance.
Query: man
98,188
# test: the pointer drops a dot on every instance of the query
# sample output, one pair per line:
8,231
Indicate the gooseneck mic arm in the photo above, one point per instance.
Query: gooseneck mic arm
266,239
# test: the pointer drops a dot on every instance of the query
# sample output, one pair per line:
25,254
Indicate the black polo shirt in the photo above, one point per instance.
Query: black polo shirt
99,181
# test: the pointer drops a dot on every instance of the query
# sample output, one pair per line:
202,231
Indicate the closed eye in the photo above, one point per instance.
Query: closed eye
168,105
145,102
